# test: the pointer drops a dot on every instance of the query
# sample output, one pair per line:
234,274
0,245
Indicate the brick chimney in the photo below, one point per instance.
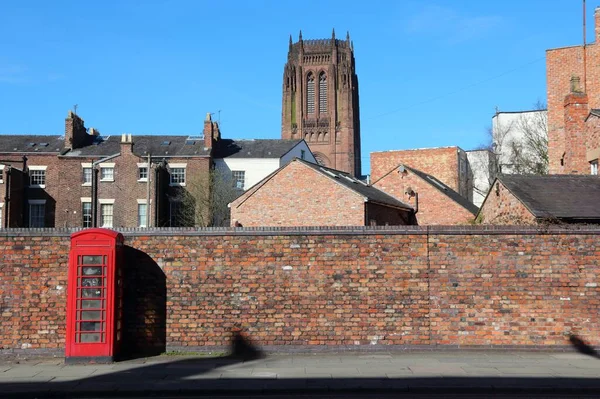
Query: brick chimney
75,133
126,144
597,24
211,132
576,111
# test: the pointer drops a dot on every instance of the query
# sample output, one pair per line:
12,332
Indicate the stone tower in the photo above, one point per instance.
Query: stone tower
320,101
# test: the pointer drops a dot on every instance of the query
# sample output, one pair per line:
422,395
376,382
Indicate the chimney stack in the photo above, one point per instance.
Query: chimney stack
126,144
576,112
211,131
75,133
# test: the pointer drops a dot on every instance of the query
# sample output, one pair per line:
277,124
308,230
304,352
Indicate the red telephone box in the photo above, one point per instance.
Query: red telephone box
94,296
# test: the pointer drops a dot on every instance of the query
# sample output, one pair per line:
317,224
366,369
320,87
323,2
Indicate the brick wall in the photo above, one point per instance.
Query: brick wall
299,196
406,286
435,208
561,65
439,162
502,207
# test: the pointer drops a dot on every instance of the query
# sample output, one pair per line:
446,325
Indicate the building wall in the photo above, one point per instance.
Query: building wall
482,164
434,208
255,169
592,127
299,196
443,163
501,207
561,65
434,287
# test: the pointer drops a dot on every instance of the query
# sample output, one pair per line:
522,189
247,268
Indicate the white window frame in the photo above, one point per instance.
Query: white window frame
110,202
594,167
235,181
178,166
106,166
36,168
87,200
37,202
141,166
85,166
140,222
1,175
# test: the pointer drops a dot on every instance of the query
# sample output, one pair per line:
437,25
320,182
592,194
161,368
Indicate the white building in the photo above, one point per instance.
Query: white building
482,164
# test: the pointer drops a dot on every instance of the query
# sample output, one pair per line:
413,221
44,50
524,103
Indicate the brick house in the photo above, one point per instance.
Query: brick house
86,179
529,199
307,194
573,84
450,165
435,203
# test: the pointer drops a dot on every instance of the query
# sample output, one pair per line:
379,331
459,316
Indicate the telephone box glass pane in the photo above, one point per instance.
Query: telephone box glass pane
91,282
91,271
90,326
91,304
91,293
92,259
93,337
91,315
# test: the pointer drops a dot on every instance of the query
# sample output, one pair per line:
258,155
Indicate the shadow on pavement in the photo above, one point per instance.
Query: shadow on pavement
582,347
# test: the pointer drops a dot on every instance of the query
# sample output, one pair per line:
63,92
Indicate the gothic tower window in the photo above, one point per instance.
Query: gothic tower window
322,93
310,94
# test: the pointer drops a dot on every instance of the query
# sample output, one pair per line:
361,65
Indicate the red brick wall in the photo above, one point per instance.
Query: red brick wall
462,287
439,162
502,208
561,65
299,196
592,127
435,208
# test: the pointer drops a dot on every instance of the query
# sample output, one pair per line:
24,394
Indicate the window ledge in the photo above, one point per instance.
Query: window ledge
37,186
142,180
177,184
86,184
107,180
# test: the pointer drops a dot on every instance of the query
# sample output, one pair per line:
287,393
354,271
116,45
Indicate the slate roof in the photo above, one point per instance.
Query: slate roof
29,143
261,148
574,197
157,146
595,112
371,193
446,190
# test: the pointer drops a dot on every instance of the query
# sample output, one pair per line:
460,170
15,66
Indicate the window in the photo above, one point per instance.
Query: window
106,214
107,173
239,177
86,214
37,212
594,167
302,154
310,94
177,174
87,176
142,213
37,176
322,93
143,173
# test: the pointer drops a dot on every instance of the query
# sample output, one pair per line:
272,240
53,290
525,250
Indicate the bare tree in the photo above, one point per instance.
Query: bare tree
521,143
203,202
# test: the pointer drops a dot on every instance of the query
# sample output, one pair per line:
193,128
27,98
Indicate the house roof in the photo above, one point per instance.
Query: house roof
260,148
370,193
31,143
556,196
595,112
445,189
441,187
157,146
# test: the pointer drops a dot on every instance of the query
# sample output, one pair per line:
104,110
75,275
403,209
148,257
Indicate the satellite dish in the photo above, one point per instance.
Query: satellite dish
401,169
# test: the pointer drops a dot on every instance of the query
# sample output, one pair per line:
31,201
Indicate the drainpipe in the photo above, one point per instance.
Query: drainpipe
95,187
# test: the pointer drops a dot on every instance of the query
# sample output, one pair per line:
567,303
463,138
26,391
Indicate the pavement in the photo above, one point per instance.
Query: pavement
344,374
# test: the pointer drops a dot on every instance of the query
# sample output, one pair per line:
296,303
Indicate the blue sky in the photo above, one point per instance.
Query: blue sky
430,72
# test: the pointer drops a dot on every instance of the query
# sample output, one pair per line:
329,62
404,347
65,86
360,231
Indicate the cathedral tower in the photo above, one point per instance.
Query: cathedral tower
320,101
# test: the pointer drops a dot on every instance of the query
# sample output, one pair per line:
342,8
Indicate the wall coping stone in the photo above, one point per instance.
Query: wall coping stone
319,230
